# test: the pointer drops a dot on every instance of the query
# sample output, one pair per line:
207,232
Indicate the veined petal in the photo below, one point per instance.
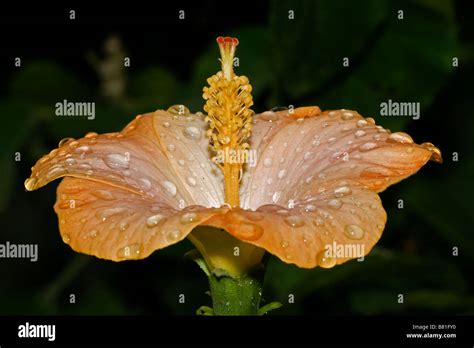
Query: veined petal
299,151
113,223
339,215
159,155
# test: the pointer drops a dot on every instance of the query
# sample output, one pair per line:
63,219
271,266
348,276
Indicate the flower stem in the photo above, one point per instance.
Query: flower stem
235,296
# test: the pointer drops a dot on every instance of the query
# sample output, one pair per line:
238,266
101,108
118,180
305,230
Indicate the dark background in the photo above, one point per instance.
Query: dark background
296,62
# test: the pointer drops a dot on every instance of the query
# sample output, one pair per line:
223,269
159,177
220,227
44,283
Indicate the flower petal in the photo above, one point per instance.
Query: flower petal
113,223
340,213
299,151
161,155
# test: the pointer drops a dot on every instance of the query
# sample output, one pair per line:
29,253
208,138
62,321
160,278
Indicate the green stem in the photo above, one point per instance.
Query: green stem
235,296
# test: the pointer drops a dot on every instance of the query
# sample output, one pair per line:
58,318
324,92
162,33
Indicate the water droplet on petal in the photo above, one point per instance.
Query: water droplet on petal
131,251
178,109
342,191
347,115
367,146
335,203
332,140
166,124
70,161
249,231
267,162
254,216
103,215
66,238
91,234
294,221
282,173
191,181
308,156
353,232
324,260
83,149
103,194
359,133
269,116
309,207
173,236
117,161
73,144
181,162
361,123
65,141
55,172
192,133
144,184
170,187
123,226
30,183
276,196
171,147
154,220
189,217
400,137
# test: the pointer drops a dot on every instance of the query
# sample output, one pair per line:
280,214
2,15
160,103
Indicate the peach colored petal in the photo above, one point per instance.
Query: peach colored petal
341,212
160,155
113,223
299,151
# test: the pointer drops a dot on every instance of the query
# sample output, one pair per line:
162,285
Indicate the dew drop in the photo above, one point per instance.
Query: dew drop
103,215
269,116
70,161
362,123
170,187
65,141
367,146
30,183
249,231
347,115
192,133
91,234
123,226
282,173
83,149
116,161
400,137
131,251
309,207
342,191
359,133
324,260
308,155
294,221
104,194
335,203
171,147
191,181
66,238
332,140
353,232
154,220
188,218
178,109
55,172
276,196
144,184
173,236
166,124
267,162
